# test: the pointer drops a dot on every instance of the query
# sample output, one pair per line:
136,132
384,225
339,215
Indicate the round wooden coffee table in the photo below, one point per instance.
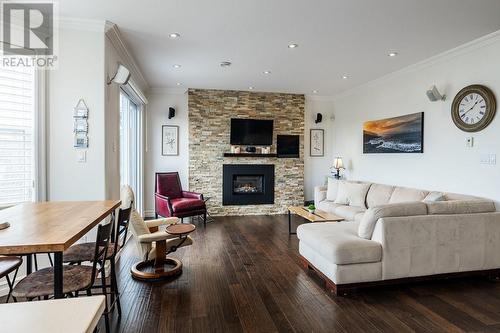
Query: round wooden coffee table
163,267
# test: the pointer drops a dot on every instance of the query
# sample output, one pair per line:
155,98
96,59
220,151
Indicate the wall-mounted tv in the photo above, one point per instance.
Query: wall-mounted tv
251,132
288,146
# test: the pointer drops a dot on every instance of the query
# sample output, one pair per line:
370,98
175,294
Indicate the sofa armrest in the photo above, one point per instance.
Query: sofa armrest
193,195
319,194
438,244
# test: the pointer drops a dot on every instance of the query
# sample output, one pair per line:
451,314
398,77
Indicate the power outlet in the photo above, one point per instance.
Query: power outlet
470,142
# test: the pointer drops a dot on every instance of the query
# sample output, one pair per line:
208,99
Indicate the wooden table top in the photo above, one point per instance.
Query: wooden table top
317,216
50,226
180,229
80,314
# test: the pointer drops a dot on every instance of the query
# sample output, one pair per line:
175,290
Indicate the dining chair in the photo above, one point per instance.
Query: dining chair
82,252
8,265
76,278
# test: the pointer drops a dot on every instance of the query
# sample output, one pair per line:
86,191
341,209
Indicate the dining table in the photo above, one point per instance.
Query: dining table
51,227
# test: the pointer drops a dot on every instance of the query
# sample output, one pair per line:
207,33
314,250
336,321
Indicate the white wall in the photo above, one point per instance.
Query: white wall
446,163
317,168
79,75
156,116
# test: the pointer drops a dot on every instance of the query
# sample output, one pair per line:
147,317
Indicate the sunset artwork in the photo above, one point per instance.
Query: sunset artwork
403,134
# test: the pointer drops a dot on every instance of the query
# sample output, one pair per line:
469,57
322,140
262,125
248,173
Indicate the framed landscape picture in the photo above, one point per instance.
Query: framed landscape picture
404,134
170,140
317,145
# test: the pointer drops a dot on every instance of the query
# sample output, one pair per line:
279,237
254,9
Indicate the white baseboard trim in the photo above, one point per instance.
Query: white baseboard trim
149,213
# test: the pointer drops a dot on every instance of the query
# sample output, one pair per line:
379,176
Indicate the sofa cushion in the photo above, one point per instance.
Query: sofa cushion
186,204
372,215
359,216
327,206
348,212
352,194
405,194
435,196
332,189
461,207
338,242
379,194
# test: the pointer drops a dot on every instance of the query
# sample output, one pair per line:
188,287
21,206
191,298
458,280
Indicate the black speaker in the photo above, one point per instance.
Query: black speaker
250,149
171,113
319,118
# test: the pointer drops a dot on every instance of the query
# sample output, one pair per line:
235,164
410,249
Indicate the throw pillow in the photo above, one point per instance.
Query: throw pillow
332,189
435,196
352,194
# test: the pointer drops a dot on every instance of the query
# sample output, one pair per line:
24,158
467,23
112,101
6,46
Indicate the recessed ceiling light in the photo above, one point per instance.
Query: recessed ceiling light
267,72
225,64
174,35
392,54
293,45
179,84
177,66
250,88
345,77
314,91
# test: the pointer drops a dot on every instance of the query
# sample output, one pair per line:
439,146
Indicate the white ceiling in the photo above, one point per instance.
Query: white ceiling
335,37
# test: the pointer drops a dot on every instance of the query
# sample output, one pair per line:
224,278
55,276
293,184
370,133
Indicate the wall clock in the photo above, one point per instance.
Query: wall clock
473,108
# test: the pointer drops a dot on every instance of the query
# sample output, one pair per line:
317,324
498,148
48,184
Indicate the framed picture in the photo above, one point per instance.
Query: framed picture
404,134
317,145
170,140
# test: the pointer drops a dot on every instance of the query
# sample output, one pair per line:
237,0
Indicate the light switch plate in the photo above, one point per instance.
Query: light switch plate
81,156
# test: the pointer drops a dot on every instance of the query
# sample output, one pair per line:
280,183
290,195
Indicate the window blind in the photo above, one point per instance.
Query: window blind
17,124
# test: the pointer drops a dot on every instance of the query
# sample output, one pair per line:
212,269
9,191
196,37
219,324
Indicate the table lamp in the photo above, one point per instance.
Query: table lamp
337,165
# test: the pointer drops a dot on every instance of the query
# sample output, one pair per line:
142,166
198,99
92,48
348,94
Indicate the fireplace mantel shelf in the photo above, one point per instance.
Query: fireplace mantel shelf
249,155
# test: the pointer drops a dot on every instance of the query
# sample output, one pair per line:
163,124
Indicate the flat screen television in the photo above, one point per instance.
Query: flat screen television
251,132
288,146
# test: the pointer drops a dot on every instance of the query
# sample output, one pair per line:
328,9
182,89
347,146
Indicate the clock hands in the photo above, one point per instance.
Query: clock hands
470,109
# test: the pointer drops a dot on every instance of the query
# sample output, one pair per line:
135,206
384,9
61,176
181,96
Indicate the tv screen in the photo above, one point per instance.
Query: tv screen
288,146
251,132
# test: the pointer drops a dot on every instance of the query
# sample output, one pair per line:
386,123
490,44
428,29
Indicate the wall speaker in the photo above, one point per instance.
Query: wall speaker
171,112
319,118
434,95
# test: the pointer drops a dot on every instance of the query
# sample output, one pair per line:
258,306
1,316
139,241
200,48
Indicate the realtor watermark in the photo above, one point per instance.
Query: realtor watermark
29,34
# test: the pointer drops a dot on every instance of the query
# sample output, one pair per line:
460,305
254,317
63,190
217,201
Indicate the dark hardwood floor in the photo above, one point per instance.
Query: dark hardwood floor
243,274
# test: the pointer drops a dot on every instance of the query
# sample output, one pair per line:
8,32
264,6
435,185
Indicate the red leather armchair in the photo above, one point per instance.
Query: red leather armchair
172,201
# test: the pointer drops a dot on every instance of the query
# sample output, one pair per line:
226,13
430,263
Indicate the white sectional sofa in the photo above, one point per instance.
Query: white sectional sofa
393,234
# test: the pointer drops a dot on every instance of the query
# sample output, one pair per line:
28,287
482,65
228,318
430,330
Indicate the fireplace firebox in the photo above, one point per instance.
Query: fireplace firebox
248,184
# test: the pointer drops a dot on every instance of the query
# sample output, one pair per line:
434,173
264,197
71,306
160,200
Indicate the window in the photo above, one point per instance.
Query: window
130,143
17,135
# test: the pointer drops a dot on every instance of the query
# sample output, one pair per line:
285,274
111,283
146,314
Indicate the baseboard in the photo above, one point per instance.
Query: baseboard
149,213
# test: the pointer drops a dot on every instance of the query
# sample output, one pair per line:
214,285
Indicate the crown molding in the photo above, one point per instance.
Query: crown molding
81,24
434,60
114,36
322,98
166,91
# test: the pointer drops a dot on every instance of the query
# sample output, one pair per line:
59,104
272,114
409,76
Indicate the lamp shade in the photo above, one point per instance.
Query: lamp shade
338,163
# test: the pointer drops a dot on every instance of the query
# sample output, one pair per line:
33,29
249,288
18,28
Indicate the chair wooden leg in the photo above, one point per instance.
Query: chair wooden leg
205,219
156,216
50,260
11,285
114,286
104,292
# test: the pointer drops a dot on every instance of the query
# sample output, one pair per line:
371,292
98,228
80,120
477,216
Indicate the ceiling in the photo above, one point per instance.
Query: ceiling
335,38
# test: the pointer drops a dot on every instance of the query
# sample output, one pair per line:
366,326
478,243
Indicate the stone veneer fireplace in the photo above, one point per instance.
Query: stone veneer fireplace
210,112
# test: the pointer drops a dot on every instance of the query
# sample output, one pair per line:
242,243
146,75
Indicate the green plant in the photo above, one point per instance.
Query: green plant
311,207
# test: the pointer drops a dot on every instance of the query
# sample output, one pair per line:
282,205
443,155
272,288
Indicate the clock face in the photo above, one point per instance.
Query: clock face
473,108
